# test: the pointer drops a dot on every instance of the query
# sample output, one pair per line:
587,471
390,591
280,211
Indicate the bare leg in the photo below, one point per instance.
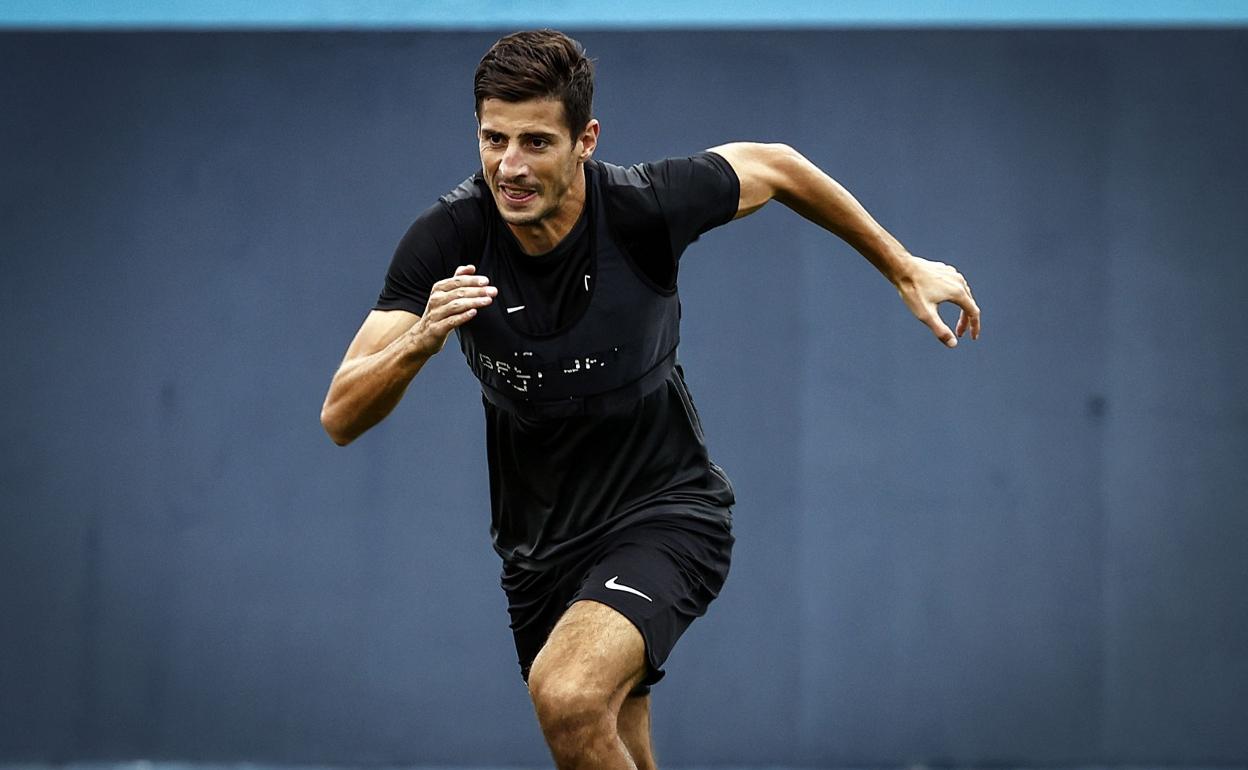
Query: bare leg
579,681
634,727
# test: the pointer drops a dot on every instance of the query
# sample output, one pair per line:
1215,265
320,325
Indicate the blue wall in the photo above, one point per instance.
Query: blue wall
1029,550
492,14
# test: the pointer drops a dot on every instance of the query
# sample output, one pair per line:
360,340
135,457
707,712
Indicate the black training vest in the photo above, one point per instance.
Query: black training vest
621,348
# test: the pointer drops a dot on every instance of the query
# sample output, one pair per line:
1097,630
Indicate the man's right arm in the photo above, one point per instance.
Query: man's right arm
390,348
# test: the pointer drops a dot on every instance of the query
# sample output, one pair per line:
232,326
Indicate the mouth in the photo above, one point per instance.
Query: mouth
517,195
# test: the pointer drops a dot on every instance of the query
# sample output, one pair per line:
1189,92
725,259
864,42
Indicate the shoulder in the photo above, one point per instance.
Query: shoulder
622,178
628,198
451,224
692,192
468,192
455,223
670,180
467,205
666,172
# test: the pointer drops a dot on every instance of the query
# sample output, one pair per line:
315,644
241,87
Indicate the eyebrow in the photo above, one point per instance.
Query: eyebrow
548,136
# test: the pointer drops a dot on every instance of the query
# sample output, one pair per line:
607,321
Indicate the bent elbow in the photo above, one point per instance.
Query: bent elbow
334,429
786,159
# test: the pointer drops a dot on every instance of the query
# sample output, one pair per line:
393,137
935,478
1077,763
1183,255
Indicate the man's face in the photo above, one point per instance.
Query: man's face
528,158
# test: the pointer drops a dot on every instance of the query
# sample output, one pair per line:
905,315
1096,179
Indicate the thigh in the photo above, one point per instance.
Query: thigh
661,575
540,602
595,649
536,600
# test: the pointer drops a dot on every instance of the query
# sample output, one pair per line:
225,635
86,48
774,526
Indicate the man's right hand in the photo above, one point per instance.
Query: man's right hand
452,302
391,347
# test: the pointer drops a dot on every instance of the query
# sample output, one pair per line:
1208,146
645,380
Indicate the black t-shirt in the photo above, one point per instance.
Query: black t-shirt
558,485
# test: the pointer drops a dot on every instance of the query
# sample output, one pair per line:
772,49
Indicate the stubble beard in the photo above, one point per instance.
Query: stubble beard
524,218
529,218
552,197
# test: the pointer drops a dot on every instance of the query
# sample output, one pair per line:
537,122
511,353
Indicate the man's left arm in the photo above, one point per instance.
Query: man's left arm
768,171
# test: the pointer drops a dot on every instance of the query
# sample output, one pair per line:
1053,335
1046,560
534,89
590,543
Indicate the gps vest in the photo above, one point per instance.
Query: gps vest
621,348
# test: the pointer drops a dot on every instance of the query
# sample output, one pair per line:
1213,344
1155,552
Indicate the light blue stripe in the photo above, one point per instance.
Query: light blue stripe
470,14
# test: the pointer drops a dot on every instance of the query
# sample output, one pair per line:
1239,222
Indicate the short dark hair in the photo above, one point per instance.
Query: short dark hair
539,64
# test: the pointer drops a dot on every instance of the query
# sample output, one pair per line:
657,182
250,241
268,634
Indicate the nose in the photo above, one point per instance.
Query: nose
513,164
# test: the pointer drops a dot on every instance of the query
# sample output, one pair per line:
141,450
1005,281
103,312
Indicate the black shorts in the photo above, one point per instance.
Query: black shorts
660,573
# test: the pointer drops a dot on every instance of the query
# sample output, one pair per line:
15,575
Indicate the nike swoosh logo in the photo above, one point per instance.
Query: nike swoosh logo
514,309
614,586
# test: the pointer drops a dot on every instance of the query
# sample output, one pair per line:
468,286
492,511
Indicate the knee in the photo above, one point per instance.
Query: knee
569,708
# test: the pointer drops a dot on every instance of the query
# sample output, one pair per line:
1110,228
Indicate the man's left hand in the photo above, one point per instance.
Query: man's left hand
924,284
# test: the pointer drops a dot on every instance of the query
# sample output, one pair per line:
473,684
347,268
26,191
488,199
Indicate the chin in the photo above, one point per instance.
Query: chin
520,218
513,217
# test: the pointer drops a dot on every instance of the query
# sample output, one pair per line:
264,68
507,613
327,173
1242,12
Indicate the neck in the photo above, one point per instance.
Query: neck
540,237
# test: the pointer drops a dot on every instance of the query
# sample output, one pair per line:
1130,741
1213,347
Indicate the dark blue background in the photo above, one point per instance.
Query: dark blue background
1030,550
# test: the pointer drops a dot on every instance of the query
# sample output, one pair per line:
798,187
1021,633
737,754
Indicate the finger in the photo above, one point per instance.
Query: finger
465,269
938,327
445,306
442,327
972,315
971,309
449,323
466,292
458,280
447,284
964,314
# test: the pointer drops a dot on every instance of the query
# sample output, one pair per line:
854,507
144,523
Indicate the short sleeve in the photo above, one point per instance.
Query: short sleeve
695,194
427,253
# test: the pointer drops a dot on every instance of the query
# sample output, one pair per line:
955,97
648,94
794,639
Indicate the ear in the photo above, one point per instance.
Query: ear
588,140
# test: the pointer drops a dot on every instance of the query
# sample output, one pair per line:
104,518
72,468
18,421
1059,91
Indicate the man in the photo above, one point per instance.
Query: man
558,274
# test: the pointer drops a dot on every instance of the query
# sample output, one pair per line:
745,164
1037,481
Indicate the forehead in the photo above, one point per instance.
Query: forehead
532,116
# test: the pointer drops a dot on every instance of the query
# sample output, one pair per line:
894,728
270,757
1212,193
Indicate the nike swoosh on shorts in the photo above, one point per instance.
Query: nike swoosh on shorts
614,586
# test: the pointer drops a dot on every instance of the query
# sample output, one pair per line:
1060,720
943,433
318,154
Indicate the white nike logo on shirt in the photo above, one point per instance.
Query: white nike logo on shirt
614,586
514,309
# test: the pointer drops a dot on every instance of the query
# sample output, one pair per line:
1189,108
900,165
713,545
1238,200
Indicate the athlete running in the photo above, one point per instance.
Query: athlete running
559,274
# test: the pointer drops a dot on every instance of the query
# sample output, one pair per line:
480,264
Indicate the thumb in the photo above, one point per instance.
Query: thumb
938,327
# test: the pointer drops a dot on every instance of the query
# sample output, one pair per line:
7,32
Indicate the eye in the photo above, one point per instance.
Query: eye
538,143
494,139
